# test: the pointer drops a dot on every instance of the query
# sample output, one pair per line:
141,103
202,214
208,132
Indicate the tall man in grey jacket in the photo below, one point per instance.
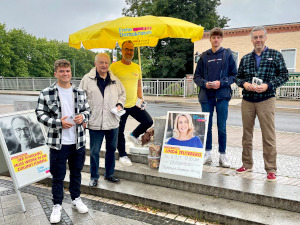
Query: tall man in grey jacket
104,92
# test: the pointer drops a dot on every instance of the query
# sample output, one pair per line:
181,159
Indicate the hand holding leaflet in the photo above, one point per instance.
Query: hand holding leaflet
141,103
119,113
70,119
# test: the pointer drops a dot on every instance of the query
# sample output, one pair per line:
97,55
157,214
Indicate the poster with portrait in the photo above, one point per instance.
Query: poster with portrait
24,147
184,144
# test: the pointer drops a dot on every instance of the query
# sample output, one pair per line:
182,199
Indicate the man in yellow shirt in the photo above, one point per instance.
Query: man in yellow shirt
129,74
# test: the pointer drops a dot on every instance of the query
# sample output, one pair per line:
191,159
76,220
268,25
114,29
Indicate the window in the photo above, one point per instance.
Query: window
289,56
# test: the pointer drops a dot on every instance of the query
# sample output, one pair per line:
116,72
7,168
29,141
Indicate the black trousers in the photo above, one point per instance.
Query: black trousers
141,116
58,167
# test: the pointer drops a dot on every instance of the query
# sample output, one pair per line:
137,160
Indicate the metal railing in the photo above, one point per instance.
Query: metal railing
164,86
151,86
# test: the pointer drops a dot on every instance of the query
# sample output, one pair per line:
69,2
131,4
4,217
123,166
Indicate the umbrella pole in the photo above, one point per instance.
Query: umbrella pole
140,64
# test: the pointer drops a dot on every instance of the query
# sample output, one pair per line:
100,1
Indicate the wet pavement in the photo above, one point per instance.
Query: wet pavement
38,202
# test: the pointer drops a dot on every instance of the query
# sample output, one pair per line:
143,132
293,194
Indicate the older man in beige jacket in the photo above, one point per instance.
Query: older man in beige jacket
104,92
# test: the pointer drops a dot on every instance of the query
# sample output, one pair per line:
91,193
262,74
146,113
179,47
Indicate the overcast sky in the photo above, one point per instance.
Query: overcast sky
56,19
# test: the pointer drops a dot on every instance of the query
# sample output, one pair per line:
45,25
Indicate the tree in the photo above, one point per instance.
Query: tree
174,57
5,52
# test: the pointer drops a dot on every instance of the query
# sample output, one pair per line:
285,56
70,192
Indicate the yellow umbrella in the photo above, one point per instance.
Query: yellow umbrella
143,31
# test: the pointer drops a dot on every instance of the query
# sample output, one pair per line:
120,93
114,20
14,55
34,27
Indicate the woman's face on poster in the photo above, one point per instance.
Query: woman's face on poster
183,124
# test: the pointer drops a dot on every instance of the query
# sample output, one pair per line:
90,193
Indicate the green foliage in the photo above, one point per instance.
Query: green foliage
173,58
24,55
174,89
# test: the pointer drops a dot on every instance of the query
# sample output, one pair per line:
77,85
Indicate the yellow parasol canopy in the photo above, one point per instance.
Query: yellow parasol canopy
143,31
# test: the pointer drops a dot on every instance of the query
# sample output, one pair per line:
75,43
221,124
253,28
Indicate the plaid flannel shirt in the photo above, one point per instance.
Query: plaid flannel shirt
272,70
49,112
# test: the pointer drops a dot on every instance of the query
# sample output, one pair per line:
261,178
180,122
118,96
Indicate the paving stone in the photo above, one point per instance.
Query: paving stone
190,221
34,212
15,218
96,213
38,220
106,220
171,216
181,218
8,204
12,210
87,222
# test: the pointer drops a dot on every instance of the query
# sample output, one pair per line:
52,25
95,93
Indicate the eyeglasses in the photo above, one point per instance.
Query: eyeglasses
128,50
260,37
19,130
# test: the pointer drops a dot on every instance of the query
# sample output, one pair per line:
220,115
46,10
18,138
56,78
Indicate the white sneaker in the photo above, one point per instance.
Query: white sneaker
56,214
207,158
134,140
125,161
223,161
79,205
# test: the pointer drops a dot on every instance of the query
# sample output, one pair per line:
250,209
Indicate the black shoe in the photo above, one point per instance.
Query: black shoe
112,179
93,183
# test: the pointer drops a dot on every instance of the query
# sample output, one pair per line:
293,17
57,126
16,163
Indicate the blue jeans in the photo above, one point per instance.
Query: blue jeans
222,114
58,161
96,138
145,122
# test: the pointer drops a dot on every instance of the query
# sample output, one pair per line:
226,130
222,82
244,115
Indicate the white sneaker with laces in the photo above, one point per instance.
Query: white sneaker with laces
223,161
134,140
79,205
56,214
207,158
124,160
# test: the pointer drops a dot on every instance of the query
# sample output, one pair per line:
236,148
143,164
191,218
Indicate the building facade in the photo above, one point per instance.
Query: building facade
282,37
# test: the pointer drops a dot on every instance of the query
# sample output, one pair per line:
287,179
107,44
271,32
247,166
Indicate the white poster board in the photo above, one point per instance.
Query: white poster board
184,144
24,147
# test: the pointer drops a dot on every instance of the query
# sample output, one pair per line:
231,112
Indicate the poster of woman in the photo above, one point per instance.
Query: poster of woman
184,143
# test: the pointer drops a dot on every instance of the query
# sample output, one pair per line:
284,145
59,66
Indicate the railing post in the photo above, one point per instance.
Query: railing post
17,83
2,83
184,87
33,84
295,91
157,87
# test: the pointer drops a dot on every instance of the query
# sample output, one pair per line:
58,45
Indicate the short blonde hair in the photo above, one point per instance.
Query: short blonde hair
191,129
102,54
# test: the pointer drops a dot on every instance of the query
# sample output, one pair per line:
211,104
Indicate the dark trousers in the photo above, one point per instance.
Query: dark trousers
145,122
58,161
222,114
96,138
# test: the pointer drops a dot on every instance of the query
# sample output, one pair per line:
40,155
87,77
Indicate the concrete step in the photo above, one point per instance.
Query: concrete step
187,203
269,194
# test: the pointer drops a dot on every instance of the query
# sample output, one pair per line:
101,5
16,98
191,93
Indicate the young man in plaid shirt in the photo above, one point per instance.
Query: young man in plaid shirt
259,99
63,108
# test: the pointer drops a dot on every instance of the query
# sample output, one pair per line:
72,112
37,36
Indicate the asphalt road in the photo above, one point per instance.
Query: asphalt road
287,122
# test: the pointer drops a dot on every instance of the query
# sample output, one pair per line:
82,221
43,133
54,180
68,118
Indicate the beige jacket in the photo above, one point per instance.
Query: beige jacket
101,118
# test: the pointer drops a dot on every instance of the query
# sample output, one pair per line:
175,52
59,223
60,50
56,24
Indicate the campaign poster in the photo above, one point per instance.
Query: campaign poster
24,147
184,144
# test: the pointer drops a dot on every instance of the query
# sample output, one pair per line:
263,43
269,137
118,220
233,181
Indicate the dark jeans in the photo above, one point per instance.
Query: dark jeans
222,114
96,138
145,122
58,161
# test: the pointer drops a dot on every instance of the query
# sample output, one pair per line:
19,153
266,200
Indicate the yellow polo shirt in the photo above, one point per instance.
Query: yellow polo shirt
129,76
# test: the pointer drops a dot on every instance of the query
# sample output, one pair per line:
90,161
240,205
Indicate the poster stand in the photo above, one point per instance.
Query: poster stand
184,143
24,152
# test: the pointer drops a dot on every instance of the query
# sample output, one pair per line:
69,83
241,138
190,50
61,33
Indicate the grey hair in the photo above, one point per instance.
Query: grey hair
102,54
257,28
